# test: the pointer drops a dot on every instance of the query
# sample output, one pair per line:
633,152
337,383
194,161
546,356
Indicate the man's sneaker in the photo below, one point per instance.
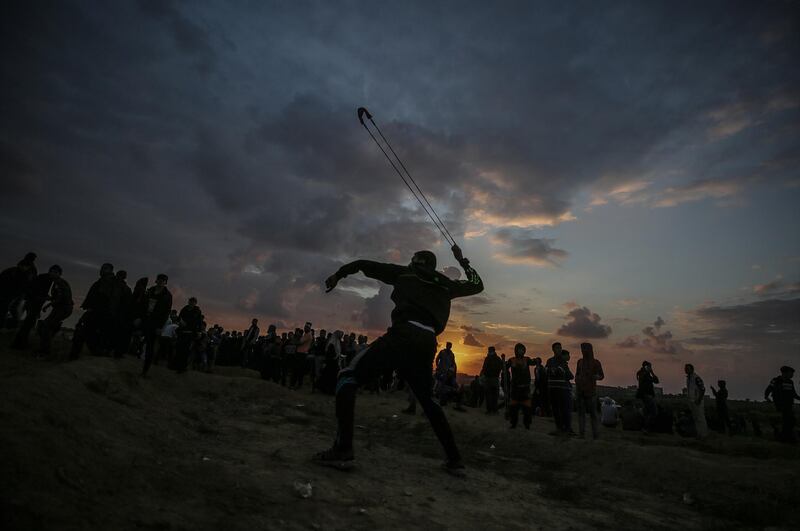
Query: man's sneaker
335,458
454,468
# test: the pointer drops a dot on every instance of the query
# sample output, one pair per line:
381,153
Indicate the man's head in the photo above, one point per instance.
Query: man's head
519,350
323,333
491,351
646,365
161,279
424,260
55,271
307,327
192,301
787,372
537,361
448,345
106,270
565,355
688,368
122,275
254,322
557,348
587,349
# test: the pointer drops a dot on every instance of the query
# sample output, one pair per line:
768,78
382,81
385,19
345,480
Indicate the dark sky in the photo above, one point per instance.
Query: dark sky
603,163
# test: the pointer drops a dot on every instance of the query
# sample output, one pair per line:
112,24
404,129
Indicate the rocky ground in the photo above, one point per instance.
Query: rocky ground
91,445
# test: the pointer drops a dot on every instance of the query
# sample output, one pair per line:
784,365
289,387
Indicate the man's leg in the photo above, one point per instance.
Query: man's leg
581,414
513,413
555,402
527,413
593,416
420,384
364,366
566,409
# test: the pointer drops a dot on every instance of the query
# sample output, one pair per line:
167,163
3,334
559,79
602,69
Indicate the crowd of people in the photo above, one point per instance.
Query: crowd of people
118,320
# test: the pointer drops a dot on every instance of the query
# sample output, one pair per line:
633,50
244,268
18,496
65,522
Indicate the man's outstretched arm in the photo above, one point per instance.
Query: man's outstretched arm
473,285
386,273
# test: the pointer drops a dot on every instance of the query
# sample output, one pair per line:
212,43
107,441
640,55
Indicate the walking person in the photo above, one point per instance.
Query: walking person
781,389
588,372
60,302
422,298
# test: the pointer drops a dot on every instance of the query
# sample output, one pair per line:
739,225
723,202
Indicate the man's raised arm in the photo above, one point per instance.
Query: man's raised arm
386,273
473,285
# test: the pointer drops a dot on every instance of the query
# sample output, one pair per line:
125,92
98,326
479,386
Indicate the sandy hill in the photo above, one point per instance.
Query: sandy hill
90,445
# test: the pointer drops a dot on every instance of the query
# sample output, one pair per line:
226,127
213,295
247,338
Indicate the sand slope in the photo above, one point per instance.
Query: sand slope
90,445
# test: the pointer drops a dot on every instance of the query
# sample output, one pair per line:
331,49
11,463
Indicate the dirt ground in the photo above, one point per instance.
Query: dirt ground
91,445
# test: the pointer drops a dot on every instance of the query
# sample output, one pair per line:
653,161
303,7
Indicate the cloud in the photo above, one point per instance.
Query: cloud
468,328
697,191
661,342
776,287
452,272
584,324
629,342
470,341
521,248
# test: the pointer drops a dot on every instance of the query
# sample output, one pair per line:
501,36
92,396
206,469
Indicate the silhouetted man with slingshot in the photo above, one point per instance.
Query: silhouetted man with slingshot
422,298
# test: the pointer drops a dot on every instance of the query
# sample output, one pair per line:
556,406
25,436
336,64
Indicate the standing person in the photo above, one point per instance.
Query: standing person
36,295
540,402
96,325
588,372
61,304
302,362
647,394
445,372
721,398
190,325
158,303
783,393
559,389
167,339
422,298
695,391
250,337
490,374
519,388
14,282
318,350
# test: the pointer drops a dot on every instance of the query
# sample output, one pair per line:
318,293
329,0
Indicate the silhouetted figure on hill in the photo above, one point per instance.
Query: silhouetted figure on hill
157,305
14,283
476,395
96,325
61,305
445,383
36,295
559,389
587,373
490,374
248,341
190,325
519,387
721,398
781,389
422,299
647,394
695,391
